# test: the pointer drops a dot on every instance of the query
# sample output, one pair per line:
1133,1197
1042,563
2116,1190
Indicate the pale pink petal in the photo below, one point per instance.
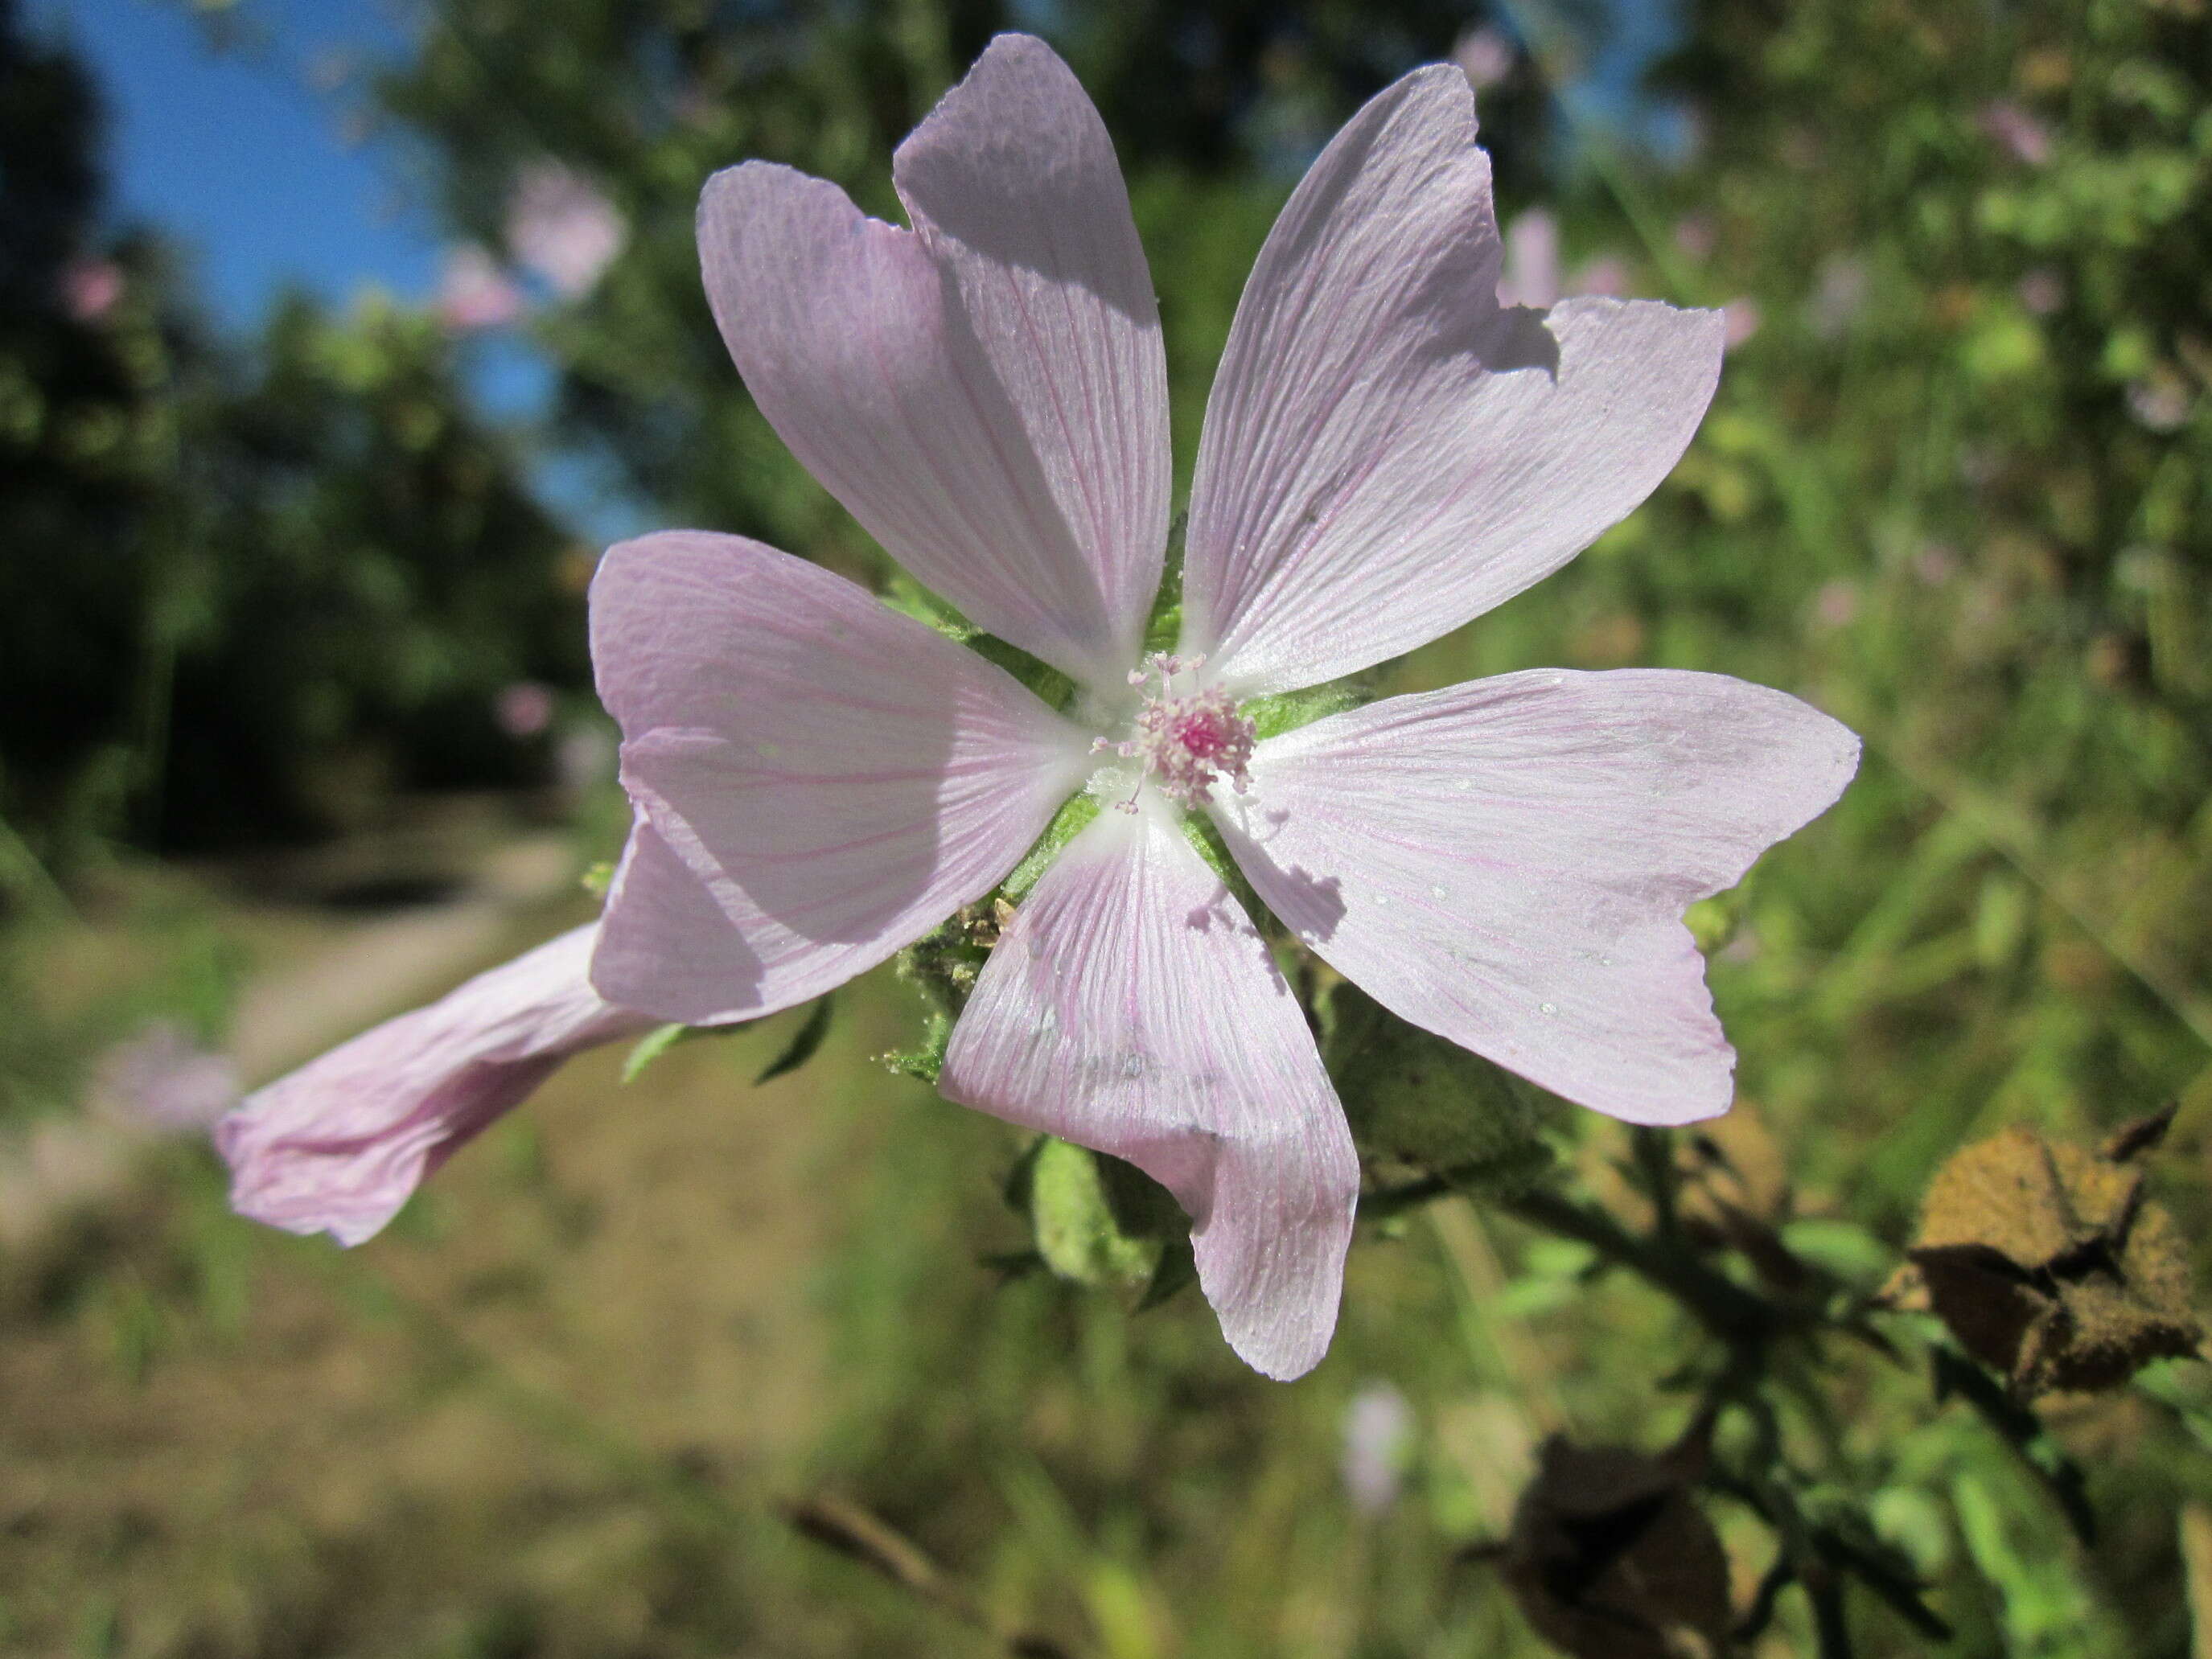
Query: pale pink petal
1388,453
987,393
1012,185
1505,863
1132,1008
825,780
339,1144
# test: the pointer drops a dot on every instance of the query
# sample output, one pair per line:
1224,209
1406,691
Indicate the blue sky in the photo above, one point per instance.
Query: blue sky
243,155
245,158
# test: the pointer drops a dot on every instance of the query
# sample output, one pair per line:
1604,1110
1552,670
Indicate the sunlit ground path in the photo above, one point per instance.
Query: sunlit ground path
552,1393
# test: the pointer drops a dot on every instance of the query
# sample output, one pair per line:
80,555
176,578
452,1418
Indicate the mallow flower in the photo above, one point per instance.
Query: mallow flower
1388,451
821,781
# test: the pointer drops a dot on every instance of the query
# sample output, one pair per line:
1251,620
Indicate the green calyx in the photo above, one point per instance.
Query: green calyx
1415,1100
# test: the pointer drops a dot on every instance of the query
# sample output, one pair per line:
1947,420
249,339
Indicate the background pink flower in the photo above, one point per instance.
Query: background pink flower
161,1079
560,226
473,292
90,289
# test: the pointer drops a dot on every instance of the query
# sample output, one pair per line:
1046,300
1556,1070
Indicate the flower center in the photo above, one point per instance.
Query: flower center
1186,741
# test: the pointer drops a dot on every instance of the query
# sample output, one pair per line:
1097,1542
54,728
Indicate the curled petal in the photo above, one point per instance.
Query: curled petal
1388,451
1132,1008
822,780
1506,863
338,1145
987,392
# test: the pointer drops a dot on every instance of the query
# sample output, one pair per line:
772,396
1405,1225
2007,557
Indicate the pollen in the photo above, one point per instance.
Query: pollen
1187,739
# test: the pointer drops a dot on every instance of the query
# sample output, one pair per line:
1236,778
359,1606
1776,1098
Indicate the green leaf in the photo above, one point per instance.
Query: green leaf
803,1041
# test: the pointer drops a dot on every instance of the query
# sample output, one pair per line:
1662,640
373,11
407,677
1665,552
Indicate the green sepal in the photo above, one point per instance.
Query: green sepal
659,1040
653,1044
924,1063
1412,1098
1097,1220
803,1041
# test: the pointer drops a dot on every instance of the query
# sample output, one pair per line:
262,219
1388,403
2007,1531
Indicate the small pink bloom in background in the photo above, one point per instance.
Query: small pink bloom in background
1695,235
1741,318
1529,274
524,709
2025,139
91,287
339,1144
473,292
1839,295
1485,56
820,781
160,1080
1378,1436
562,228
1837,605
2161,401
2041,292
1935,563
1604,276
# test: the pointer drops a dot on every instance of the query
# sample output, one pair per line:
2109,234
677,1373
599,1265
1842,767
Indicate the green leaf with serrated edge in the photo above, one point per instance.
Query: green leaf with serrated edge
803,1041
650,1048
1074,816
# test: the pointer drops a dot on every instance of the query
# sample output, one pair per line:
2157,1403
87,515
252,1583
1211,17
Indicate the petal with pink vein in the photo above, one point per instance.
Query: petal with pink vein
988,396
824,781
1505,863
1388,451
1132,1008
1012,185
338,1146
